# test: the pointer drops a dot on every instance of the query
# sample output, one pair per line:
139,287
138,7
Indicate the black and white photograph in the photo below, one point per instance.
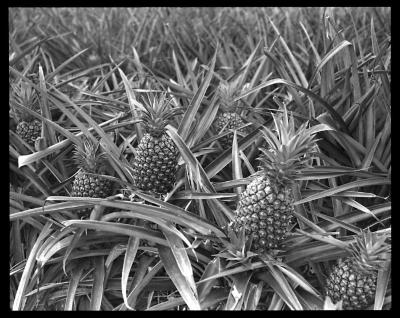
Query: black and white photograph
199,158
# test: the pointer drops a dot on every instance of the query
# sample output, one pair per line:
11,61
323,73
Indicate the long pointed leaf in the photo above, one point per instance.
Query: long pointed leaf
130,254
189,116
98,283
19,296
179,280
350,185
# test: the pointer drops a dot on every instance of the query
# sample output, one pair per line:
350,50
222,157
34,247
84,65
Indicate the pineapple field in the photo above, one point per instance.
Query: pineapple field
224,158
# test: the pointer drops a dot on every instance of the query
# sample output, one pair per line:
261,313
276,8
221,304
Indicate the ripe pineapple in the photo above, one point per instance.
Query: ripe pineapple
354,280
28,128
156,159
265,208
91,161
228,115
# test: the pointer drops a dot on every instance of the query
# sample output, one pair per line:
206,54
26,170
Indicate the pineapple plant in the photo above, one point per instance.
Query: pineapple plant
236,250
156,158
91,162
28,128
354,279
228,116
265,207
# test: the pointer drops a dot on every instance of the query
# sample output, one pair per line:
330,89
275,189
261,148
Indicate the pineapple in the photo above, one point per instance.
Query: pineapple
91,161
228,116
28,128
156,159
354,279
265,207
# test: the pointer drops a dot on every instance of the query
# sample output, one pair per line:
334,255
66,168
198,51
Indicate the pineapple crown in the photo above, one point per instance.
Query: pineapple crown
290,149
227,93
156,115
370,251
89,157
25,95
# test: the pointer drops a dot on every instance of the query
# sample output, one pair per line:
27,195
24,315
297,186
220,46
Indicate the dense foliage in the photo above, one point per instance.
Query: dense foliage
129,165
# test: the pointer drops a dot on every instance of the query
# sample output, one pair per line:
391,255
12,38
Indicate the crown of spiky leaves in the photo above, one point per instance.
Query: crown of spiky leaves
25,95
89,156
289,149
227,93
236,250
156,114
370,250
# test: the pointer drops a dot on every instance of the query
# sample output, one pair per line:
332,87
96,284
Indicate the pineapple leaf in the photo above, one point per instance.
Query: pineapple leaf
382,284
175,259
212,268
98,283
130,254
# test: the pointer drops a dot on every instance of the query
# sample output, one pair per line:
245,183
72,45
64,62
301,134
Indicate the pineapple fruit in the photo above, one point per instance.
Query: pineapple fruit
354,279
228,116
90,161
28,128
265,207
156,159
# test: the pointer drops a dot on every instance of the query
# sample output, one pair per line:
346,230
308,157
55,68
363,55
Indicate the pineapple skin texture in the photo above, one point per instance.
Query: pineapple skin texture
234,121
265,211
29,131
155,164
85,185
356,289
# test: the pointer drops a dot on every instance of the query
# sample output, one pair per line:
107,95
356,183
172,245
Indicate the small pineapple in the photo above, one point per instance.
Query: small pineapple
354,280
156,159
265,207
228,116
28,128
90,161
